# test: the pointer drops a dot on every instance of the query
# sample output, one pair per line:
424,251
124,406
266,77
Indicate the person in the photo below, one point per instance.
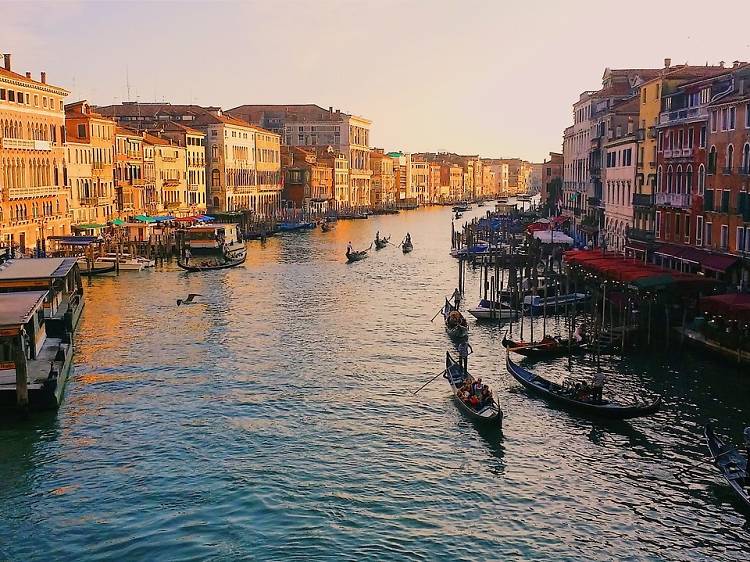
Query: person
456,297
349,248
476,388
408,238
454,318
464,350
377,237
474,401
580,333
188,255
597,386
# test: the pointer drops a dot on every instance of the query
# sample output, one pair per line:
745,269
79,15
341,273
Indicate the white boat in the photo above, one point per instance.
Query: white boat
145,261
536,303
491,310
125,264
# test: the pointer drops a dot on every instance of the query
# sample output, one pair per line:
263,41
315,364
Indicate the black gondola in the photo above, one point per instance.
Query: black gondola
381,243
225,265
731,463
89,272
552,347
455,324
357,256
557,393
407,247
456,376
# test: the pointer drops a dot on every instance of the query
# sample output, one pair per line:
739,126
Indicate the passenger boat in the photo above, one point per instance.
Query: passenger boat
558,394
34,365
553,347
407,247
210,247
129,259
456,376
357,255
492,310
381,243
480,203
536,303
455,323
523,197
732,464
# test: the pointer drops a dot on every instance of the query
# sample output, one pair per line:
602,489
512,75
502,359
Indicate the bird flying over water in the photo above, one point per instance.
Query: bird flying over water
189,299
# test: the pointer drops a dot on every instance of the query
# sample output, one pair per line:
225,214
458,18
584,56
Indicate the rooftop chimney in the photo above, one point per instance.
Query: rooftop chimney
330,109
735,64
721,63
6,60
28,75
667,63
44,78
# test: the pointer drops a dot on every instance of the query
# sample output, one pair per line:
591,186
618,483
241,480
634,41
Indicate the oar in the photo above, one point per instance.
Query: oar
436,314
702,461
429,381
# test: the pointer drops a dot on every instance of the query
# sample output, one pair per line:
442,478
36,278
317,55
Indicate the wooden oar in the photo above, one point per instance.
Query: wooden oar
429,381
702,461
436,314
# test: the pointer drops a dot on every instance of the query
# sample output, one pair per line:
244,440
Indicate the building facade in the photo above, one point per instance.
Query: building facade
34,199
618,187
128,172
194,142
383,180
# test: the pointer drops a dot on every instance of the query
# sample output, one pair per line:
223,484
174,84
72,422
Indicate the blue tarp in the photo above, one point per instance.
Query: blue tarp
75,240
163,218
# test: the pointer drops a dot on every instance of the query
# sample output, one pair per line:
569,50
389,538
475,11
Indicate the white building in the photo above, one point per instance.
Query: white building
619,172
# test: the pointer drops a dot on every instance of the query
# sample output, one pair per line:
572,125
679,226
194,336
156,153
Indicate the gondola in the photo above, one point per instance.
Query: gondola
553,347
457,330
407,247
326,226
357,256
381,243
456,376
89,272
555,392
731,463
226,265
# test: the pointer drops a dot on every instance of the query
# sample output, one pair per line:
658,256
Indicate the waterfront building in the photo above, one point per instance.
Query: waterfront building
383,180
535,178
435,191
194,142
83,125
308,184
552,180
420,181
150,197
489,183
267,171
500,175
128,172
34,199
339,165
618,176
78,168
170,165
640,238
456,182
309,125
402,174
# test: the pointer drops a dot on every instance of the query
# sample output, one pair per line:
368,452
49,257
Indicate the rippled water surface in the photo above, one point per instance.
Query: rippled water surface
274,421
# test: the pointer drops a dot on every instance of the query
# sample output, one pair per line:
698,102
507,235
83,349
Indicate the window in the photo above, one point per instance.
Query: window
677,224
660,142
724,236
709,233
699,231
712,160
702,141
82,131
747,113
730,158
689,179
732,117
690,138
714,120
657,224
687,229
740,239
705,95
20,97
2,94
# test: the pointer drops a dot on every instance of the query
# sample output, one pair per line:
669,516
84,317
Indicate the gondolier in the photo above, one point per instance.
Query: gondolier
597,386
349,249
456,297
464,350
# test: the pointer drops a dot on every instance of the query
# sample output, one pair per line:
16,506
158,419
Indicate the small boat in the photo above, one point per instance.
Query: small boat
536,303
455,323
381,243
290,226
456,376
459,215
559,394
492,310
523,197
732,464
326,226
461,207
407,247
357,255
552,347
480,203
96,268
208,266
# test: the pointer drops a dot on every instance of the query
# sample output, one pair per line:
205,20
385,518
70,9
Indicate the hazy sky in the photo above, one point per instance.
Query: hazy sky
494,78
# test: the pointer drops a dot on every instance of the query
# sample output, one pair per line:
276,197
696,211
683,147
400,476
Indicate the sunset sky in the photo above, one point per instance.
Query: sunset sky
494,78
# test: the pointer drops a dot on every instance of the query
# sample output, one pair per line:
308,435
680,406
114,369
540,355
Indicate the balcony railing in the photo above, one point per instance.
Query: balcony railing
193,187
683,114
679,200
652,134
26,192
26,144
643,200
94,201
639,234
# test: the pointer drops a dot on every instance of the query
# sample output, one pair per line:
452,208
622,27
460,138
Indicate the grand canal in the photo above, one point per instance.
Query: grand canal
274,421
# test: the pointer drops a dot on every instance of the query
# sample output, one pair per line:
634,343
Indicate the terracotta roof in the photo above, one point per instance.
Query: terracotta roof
125,132
152,139
137,109
15,76
298,112
175,126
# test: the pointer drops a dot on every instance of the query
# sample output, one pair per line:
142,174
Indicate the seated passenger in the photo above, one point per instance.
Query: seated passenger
474,401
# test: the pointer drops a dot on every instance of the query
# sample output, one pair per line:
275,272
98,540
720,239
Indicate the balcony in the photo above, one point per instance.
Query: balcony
643,200
193,187
640,134
678,200
94,201
692,113
26,144
652,134
27,192
639,234
667,153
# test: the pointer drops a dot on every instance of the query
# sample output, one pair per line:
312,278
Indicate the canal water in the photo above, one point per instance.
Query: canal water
275,420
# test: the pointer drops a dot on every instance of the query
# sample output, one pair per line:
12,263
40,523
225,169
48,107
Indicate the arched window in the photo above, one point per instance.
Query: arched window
701,179
659,175
712,160
215,178
669,180
730,159
689,179
678,180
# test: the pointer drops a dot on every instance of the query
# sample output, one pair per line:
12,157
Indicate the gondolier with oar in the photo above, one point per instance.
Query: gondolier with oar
349,249
456,297
597,387
464,350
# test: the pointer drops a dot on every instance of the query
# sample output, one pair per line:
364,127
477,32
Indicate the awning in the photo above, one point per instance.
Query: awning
735,306
118,222
718,262
163,218
552,237
706,259
75,240
144,218
89,226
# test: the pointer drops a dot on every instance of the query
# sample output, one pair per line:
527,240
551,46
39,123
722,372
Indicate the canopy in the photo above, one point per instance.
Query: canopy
704,258
163,218
735,306
553,237
88,226
118,222
144,218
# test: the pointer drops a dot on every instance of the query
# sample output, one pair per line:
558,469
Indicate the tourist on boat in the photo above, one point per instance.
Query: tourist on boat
597,386
454,318
476,387
464,350
349,248
486,394
580,333
408,238
474,401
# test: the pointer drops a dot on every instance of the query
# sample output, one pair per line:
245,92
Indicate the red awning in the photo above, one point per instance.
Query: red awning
718,262
734,306
705,258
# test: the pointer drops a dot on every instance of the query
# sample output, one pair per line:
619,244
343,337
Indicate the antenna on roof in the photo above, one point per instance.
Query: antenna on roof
127,81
